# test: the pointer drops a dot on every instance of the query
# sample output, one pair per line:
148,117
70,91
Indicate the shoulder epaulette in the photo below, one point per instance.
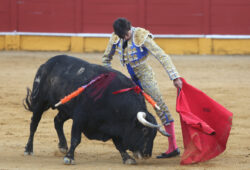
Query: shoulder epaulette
114,38
140,35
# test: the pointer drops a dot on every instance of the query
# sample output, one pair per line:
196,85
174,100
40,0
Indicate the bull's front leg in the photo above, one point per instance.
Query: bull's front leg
59,120
126,158
75,140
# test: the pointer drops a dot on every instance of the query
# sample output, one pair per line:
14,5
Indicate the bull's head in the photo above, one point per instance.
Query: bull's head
149,125
140,139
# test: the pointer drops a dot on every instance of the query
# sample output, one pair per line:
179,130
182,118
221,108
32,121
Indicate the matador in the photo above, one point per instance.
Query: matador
134,44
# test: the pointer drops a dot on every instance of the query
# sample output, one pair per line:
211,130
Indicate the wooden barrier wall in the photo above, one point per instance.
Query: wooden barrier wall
96,16
200,20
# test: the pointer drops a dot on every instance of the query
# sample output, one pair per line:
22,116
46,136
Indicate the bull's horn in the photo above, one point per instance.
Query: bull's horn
163,132
141,117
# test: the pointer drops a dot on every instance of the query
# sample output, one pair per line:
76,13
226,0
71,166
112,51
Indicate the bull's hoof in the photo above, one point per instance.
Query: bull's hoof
28,150
129,161
28,153
63,147
68,161
63,150
137,155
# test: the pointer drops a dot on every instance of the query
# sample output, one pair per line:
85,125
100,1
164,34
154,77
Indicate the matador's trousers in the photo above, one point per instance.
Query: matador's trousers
143,76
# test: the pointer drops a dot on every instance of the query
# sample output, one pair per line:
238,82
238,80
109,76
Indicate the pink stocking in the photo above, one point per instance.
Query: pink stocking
171,140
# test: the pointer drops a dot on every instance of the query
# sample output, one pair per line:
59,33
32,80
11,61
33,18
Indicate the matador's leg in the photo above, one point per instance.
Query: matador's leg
145,75
149,84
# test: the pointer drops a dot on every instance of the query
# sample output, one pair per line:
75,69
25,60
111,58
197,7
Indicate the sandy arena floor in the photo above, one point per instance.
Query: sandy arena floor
224,78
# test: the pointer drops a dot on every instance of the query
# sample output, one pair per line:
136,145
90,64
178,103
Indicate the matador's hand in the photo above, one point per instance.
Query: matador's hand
177,83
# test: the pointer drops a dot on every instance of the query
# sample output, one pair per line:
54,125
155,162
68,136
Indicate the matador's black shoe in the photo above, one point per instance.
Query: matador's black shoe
176,152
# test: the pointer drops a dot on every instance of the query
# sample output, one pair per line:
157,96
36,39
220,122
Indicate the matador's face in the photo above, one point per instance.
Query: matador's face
128,35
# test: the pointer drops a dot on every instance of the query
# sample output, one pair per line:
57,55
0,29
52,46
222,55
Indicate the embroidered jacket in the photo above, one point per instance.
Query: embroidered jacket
137,51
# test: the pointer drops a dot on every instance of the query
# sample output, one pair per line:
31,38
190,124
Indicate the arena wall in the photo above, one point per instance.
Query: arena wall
179,26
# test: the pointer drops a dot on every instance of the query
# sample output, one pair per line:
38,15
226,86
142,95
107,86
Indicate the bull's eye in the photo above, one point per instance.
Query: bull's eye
145,131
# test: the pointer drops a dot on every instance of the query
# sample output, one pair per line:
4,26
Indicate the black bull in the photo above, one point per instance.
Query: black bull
107,117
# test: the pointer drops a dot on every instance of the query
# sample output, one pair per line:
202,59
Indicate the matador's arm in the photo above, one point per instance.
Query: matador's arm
162,57
110,50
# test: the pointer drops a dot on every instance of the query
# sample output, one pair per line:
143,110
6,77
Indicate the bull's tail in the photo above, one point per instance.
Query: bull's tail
27,101
32,97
